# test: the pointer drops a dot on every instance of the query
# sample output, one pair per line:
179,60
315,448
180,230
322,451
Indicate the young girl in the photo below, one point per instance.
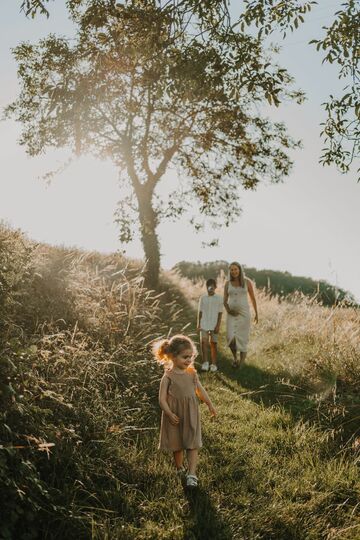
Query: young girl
180,420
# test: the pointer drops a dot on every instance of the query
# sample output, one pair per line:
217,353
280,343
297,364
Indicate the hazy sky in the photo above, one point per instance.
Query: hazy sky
309,225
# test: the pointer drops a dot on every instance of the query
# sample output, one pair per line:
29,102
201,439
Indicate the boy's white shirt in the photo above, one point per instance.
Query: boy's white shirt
210,307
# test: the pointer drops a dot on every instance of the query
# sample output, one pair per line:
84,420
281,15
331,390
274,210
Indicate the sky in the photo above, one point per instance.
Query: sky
309,225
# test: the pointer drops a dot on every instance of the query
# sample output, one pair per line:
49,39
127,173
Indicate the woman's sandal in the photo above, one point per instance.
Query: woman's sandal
235,364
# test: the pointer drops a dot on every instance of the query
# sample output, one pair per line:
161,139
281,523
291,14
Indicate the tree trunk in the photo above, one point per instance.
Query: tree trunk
150,241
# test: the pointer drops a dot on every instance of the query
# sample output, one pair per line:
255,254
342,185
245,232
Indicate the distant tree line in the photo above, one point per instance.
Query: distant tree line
277,283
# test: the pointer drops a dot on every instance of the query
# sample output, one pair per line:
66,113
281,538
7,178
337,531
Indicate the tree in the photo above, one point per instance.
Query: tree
341,46
152,84
341,128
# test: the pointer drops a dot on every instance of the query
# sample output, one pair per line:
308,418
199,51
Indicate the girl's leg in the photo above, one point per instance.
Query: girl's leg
179,458
192,458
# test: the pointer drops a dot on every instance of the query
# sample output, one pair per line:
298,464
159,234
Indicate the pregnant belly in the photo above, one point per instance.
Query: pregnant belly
237,305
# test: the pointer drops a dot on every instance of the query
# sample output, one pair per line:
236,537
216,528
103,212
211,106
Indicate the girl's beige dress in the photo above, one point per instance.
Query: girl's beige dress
184,403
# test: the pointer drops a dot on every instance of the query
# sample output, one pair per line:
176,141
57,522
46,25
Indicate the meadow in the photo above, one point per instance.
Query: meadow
80,419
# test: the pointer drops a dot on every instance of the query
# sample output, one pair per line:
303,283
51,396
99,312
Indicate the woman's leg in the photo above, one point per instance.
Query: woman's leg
192,458
242,358
232,346
179,458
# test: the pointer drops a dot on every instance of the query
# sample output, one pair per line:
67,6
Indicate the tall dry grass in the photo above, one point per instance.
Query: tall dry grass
78,385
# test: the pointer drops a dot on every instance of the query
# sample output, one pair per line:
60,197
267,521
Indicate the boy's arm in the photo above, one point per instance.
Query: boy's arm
199,320
199,314
217,327
218,322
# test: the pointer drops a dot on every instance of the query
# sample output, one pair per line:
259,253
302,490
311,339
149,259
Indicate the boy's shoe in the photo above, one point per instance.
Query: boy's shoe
191,480
205,366
213,368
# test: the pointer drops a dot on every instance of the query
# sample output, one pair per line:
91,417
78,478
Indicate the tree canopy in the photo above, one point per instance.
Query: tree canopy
152,84
339,43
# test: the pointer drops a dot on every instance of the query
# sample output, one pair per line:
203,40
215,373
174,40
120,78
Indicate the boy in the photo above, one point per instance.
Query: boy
209,319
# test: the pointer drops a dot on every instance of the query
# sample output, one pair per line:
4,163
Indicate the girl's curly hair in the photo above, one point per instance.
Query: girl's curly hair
165,349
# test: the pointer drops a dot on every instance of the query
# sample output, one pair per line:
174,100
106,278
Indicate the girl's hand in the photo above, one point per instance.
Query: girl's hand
233,312
212,411
174,420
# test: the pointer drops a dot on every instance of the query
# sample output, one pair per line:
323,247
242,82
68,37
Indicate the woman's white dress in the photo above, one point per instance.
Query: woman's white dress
238,326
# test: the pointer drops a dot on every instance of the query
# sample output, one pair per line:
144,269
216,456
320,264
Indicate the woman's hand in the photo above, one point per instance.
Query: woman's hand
256,318
174,420
233,312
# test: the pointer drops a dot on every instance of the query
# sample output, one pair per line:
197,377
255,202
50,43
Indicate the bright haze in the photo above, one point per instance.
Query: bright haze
309,225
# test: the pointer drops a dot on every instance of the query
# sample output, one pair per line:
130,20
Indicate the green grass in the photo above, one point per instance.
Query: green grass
265,473
280,461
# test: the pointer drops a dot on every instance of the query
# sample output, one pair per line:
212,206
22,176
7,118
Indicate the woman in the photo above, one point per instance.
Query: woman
236,304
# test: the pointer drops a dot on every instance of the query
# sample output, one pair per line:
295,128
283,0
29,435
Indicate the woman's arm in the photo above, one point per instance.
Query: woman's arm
164,385
226,298
253,299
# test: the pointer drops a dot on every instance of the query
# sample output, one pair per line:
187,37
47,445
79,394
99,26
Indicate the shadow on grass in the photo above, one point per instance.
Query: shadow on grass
261,386
202,520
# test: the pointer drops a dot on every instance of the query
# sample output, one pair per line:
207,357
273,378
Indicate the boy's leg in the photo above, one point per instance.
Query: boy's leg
204,346
179,458
213,350
192,458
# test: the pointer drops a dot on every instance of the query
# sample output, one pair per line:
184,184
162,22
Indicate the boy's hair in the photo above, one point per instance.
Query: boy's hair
165,349
210,281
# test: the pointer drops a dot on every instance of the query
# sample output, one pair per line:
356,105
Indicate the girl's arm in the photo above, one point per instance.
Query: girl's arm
164,385
253,299
203,395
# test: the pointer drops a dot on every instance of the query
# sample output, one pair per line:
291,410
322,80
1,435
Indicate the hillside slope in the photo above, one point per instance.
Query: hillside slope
79,418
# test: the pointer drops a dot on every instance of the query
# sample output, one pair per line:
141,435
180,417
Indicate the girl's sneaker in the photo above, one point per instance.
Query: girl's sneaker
191,480
213,368
205,366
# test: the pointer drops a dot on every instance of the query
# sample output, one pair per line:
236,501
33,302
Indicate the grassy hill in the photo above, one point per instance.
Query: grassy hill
79,415
276,283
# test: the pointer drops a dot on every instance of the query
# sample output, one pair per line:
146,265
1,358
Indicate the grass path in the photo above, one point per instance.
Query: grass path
264,472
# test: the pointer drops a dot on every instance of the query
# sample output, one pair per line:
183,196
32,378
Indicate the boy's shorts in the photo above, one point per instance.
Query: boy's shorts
206,334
